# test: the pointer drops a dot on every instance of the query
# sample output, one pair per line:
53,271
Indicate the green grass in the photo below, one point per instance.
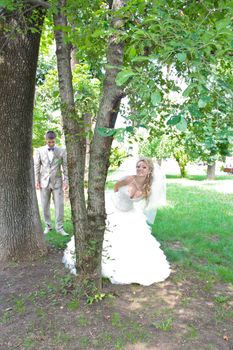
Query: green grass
55,239
164,325
200,177
110,184
196,230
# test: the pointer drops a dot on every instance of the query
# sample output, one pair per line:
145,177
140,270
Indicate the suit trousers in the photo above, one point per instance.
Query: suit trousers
58,199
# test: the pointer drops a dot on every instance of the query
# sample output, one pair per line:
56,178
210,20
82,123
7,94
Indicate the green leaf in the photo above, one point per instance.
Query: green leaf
174,120
132,52
203,101
223,23
98,33
119,135
194,110
106,132
141,59
181,56
8,4
156,98
182,125
129,128
124,76
188,90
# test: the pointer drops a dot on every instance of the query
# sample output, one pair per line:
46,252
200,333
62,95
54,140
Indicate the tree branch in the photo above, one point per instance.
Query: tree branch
41,3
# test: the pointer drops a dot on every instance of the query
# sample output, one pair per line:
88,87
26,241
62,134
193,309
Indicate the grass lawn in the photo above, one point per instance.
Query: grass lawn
196,229
200,177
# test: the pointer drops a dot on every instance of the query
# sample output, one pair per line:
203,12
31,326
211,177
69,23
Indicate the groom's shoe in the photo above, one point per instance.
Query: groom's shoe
62,232
47,230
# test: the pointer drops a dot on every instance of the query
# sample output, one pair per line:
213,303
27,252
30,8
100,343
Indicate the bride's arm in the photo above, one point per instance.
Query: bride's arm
124,182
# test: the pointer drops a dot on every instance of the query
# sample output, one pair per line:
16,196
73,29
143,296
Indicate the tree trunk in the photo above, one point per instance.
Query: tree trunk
86,117
89,226
183,171
88,129
21,235
182,166
73,57
211,171
74,130
101,147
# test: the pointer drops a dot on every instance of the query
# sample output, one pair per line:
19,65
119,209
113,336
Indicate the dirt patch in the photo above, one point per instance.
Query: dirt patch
40,310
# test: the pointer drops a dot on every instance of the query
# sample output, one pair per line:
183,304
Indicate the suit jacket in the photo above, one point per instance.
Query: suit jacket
50,173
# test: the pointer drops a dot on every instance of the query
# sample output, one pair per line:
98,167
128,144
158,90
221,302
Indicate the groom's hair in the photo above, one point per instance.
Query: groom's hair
50,135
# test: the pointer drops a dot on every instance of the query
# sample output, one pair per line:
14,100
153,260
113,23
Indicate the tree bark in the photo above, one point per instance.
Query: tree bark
183,171
182,165
73,57
211,171
101,147
74,130
86,117
88,128
89,225
21,235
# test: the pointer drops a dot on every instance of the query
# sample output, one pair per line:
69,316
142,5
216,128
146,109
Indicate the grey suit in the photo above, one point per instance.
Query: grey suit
49,175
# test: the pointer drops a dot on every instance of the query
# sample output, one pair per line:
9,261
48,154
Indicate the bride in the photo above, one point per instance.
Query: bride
130,253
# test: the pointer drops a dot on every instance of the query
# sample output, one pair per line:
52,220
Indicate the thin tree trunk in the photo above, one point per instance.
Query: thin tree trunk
101,147
182,166
86,117
211,171
88,128
183,171
73,57
21,235
74,130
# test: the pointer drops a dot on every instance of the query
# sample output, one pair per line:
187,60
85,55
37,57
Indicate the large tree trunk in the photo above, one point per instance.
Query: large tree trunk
89,226
21,235
211,171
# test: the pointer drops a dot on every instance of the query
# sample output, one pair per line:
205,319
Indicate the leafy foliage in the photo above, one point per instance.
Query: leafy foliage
176,51
117,157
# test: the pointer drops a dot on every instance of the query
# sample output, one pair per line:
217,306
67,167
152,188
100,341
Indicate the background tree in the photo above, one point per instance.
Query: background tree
172,76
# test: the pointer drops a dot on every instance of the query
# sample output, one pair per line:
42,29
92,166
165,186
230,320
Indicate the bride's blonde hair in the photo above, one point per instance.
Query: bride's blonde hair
149,178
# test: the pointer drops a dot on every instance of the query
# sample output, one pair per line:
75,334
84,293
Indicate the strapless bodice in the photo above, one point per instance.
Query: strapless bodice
123,202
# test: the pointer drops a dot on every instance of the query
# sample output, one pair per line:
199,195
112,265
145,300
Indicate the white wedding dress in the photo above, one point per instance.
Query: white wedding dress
130,253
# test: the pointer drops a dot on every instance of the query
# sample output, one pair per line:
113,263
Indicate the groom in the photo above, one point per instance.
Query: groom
50,160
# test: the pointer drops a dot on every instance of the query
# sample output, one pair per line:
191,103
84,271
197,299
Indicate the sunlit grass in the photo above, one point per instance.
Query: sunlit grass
200,177
196,229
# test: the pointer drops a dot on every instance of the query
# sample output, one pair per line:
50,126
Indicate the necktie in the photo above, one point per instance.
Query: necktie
51,149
